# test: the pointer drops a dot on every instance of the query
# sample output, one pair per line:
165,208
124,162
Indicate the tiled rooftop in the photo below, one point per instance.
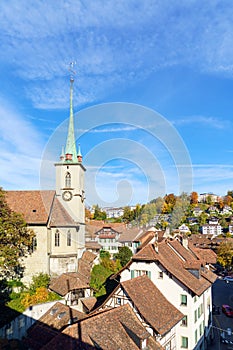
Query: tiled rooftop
172,255
49,325
151,304
68,281
33,205
110,329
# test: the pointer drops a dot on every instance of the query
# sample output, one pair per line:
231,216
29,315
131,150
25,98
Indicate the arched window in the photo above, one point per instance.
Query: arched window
68,180
69,238
57,238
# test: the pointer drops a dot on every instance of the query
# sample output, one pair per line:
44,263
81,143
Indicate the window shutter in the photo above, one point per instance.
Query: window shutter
132,274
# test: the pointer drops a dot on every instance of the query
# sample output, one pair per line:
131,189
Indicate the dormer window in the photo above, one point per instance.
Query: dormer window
68,180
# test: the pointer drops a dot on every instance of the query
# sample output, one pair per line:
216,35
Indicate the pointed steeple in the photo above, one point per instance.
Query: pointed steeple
79,154
71,151
62,156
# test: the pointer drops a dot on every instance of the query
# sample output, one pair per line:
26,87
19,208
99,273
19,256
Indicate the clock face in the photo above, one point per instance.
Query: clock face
67,195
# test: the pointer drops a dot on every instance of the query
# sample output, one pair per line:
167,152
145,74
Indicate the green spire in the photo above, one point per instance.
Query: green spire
71,151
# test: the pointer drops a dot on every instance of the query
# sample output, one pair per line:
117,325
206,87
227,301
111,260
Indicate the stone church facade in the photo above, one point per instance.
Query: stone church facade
57,217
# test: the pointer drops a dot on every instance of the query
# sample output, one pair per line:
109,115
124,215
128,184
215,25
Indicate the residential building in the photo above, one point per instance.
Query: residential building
113,212
197,211
183,277
211,229
108,238
159,317
74,286
204,197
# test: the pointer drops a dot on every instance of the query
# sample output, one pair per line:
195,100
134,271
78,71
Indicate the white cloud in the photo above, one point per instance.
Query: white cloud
113,43
211,122
21,149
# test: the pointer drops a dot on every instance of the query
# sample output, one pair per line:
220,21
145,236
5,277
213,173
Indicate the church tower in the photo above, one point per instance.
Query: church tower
70,175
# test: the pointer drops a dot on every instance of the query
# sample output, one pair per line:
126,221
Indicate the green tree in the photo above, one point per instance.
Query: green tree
41,280
124,255
99,214
179,210
104,254
128,214
15,240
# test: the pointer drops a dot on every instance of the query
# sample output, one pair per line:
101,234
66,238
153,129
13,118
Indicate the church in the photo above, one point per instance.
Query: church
56,217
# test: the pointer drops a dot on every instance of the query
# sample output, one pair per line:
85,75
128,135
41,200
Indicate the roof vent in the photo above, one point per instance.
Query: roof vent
34,210
62,314
53,311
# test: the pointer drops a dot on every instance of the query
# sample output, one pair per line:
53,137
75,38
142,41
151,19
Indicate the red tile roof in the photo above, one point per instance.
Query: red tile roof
107,330
151,304
39,207
49,325
33,205
172,255
68,281
59,216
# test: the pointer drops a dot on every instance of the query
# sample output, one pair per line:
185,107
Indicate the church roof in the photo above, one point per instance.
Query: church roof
39,208
59,215
33,205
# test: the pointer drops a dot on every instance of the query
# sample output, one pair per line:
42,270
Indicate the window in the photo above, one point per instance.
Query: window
118,301
195,299
69,238
161,274
184,342
33,246
196,336
183,299
200,310
195,316
136,273
141,273
57,238
200,330
184,321
68,180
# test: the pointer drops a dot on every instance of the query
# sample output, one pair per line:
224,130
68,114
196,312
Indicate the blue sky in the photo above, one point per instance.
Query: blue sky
140,65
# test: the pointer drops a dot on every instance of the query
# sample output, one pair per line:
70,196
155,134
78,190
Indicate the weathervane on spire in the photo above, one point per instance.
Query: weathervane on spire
72,71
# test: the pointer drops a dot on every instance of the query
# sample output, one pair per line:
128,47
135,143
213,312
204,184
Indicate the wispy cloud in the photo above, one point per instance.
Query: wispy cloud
212,122
21,150
111,49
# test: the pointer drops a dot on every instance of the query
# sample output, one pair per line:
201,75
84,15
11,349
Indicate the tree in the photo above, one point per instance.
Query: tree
124,255
99,214
128,214
15,240
225,254
170,200
179,210
227,200
41,280
194,198
104,254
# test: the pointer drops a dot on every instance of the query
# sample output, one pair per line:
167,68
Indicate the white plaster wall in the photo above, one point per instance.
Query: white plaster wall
172,289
